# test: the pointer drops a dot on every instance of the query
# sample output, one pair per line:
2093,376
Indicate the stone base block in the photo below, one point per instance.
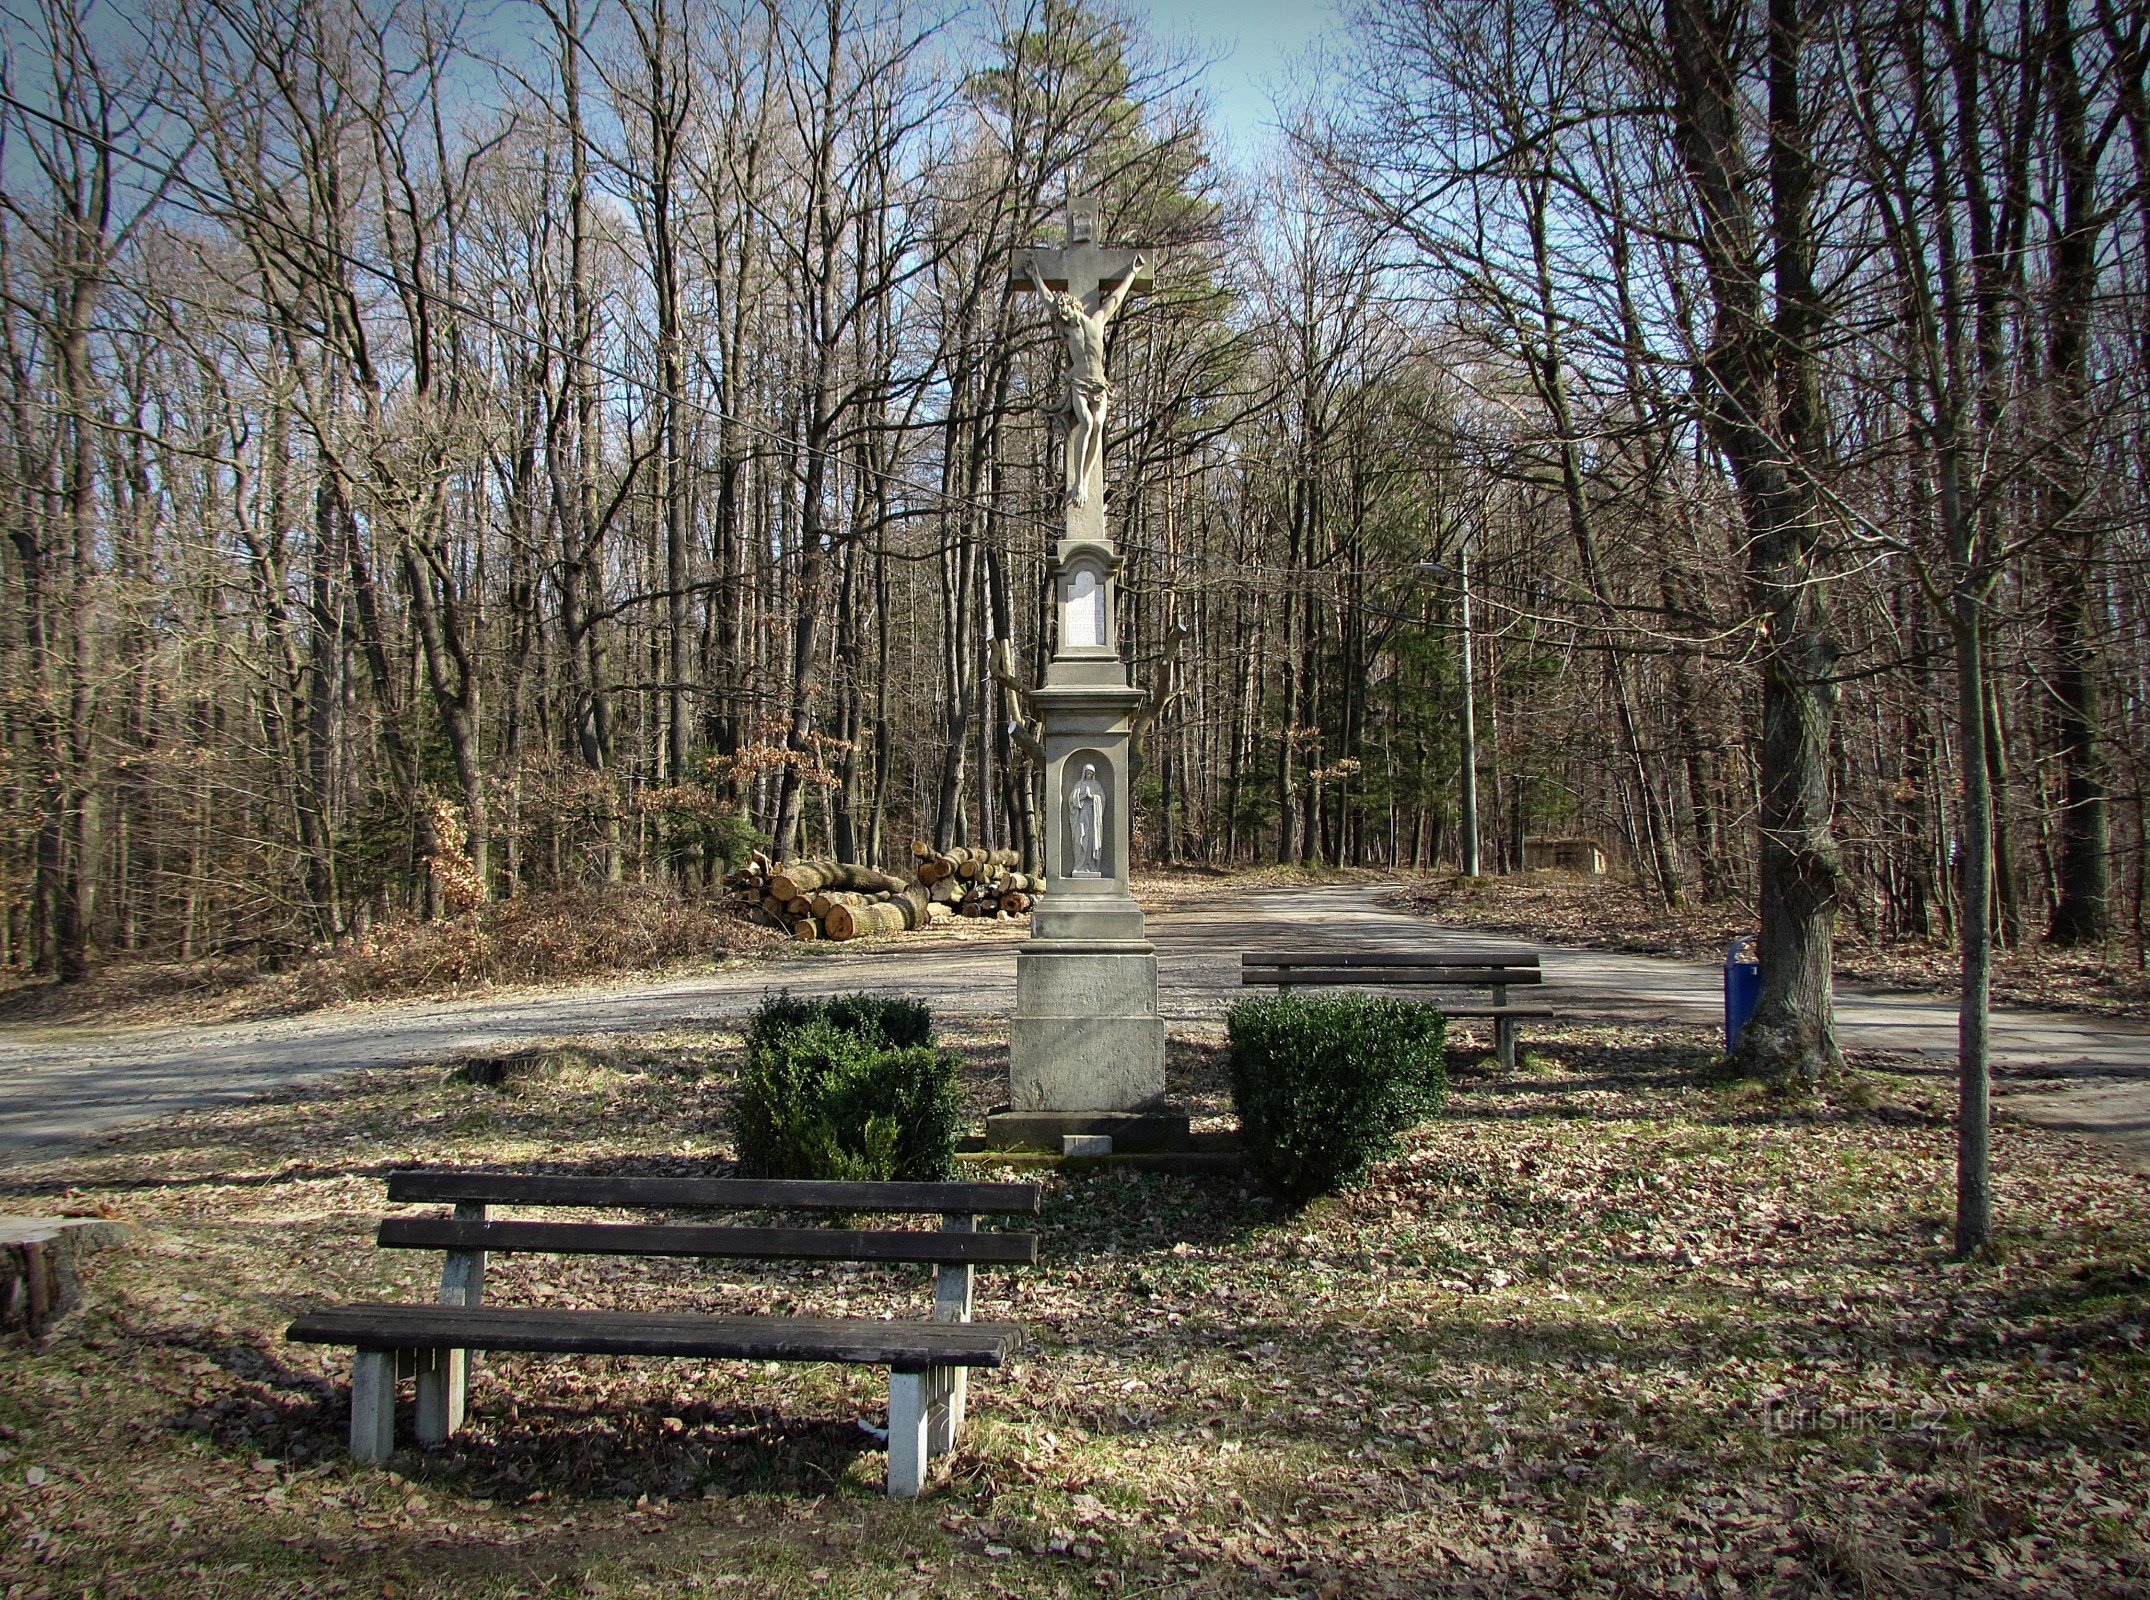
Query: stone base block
1086,1035
1208,1155
1069,978
1047,1131
1085,1063
1087,919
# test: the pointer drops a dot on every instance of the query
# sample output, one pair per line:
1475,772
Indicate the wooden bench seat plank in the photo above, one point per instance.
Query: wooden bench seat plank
422,1185
684,1239
1389,958
1393,975
901,1346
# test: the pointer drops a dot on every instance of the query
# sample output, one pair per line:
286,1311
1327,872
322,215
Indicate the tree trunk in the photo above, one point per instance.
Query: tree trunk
1974,1189
2081,916
1018,792
1763,416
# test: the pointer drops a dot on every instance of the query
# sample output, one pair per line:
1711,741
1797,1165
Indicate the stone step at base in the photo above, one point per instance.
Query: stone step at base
1180,1163
1131,1132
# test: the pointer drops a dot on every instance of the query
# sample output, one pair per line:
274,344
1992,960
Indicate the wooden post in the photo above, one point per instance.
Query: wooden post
1503,1031
431,1371
373,1405
952,1286
462,1283
906,1434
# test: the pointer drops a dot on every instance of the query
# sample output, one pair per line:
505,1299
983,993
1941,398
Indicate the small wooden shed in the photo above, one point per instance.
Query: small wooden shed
1564,855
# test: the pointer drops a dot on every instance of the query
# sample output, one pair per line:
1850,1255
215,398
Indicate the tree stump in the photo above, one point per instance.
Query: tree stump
40,1271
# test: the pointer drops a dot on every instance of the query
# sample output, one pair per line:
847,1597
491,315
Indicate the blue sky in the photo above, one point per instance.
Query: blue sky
1256,39
1253,42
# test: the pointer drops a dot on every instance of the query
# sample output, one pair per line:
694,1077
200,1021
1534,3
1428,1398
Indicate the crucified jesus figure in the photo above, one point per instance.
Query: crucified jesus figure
1088,388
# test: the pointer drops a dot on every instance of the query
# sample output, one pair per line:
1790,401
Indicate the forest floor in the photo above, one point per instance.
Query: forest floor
538,939
557,939
1605,913
75,1080
535,939
1612,1325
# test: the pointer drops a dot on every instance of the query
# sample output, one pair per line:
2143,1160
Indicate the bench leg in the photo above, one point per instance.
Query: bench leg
907,1433
1504,1042
455,1391
944,1409
373,1405
952,1288
440,1395
462,1283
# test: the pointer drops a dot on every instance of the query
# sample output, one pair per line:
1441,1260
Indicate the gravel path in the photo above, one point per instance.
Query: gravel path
2086,1073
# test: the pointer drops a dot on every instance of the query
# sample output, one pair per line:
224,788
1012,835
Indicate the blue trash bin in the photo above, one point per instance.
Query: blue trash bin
1742,987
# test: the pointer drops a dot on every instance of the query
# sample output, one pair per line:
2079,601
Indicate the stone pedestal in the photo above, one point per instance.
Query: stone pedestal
1125,1133
1086,1036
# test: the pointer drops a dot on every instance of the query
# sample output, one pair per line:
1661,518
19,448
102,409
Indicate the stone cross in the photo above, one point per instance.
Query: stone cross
1085,284
1086,1052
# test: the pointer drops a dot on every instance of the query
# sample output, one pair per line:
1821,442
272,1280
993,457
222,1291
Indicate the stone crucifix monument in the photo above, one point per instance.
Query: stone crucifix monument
1087,1052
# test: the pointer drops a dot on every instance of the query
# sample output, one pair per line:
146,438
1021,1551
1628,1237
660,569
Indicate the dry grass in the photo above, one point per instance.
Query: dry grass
539,938
131,990
1609,1327
536,938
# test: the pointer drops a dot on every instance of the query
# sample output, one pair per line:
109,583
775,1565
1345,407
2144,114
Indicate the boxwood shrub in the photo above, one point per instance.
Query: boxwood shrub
846,1089
1324,1083
896,1021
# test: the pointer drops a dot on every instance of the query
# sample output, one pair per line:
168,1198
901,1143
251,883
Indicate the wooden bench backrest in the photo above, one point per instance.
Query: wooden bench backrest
422,1185
1514,957
1473,969
732,1244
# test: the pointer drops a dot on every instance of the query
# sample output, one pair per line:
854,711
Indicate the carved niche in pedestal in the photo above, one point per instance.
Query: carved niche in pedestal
1087,816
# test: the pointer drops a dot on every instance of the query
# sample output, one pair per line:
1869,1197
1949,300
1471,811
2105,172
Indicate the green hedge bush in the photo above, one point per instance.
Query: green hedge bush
1324,1084
846,1089
895,1021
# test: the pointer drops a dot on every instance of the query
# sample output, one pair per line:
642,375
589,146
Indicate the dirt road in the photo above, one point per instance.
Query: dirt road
2069,1071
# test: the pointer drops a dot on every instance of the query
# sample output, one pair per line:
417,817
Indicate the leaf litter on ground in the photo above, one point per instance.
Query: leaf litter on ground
1603,912
1612,1325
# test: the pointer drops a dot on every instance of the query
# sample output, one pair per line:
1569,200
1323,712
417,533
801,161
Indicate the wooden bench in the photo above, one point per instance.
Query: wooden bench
928,1361
1495,970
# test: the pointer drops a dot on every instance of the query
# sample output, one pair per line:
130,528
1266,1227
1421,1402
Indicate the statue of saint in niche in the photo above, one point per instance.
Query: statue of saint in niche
1086,824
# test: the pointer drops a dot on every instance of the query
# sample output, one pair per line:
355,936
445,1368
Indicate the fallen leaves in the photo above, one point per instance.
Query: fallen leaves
1605,1327
1605,913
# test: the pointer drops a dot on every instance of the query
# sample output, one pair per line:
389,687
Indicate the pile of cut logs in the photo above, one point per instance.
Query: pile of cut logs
978,883
821,899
